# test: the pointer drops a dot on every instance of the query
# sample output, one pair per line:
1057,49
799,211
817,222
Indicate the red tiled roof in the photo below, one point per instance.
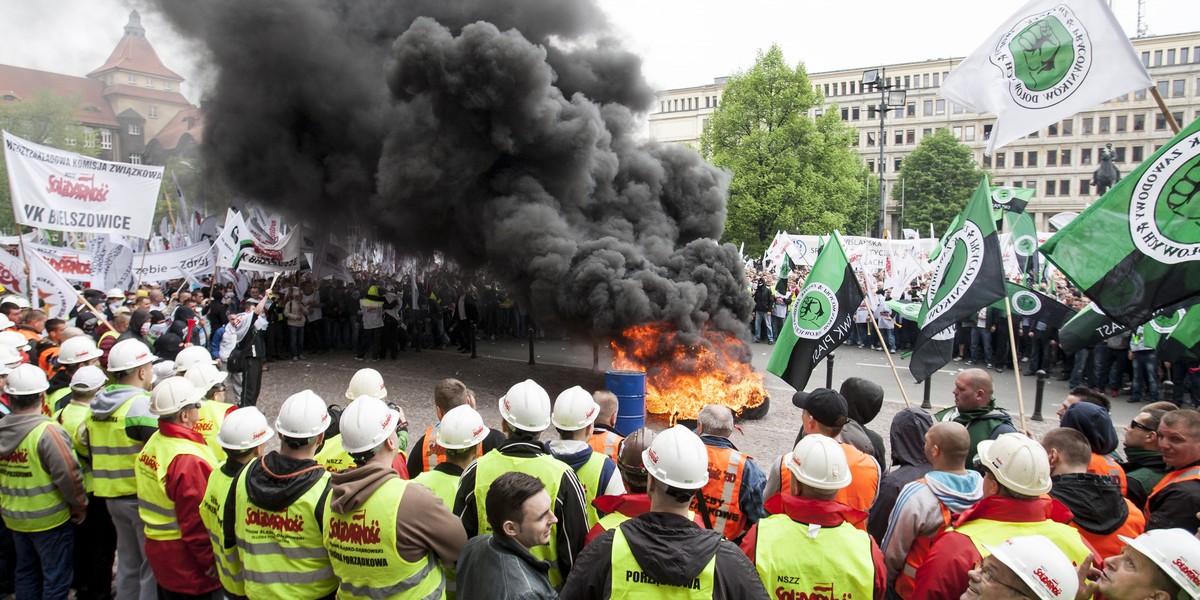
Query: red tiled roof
134,53
146,93
189,121
24,84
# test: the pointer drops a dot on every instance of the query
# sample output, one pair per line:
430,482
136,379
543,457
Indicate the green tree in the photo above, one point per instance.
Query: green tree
939,177
790,172
47,119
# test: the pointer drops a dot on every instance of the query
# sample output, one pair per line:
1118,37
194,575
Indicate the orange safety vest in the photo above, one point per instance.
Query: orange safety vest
46,361
721,493
1103,465
1111,545
906,582
431,452
1189,474
607,443
864,481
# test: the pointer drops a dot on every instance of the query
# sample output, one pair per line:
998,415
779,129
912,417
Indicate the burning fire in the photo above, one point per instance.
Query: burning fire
683,376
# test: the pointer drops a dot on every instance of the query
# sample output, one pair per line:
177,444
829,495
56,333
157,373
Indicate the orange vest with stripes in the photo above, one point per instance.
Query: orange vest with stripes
721,493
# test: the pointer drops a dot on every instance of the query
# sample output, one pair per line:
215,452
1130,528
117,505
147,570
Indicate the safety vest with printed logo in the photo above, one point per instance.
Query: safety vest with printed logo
630,581
797,562
906,581
589,477
721,493
607,443
547,469
362,549
155,507
212,415
113,453
212,513
994,533
283,553
333,455
71,417
431,452
29,500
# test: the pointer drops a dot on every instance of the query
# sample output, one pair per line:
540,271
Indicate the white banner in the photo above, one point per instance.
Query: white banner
233,239
65,191
12,274
72,264
112,262
175,264
268,260
55,295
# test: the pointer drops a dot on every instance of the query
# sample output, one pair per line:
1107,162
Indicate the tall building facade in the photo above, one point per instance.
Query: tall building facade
1058,161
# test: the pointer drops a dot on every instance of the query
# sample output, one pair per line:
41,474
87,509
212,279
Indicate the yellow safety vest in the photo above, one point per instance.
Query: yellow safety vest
362,549
589,477
835,562
53,397
212,414
71,417
155,507
333,456
113,453
29,500
212,513
443,485
994,533
546,468
283,557
630,581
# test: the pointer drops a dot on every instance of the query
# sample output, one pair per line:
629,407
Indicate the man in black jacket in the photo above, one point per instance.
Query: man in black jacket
664,548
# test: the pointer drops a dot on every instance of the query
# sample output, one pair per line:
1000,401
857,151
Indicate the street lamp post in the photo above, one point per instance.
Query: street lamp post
888,100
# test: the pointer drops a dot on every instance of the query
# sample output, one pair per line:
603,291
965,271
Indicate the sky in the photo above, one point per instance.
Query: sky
683,43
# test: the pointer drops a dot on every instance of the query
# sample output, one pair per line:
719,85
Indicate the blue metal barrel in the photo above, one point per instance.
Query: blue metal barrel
630,389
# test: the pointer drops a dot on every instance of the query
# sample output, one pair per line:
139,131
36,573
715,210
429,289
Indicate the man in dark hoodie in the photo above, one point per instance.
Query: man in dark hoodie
663,549
1095,424
1143,466
276,511
975,408
908,465
864,399
1100,513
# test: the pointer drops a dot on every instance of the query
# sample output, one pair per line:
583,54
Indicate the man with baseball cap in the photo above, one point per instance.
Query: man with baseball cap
1016,477
1023,567
1161,565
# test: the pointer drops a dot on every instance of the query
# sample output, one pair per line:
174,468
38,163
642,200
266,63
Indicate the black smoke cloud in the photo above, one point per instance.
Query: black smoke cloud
502,133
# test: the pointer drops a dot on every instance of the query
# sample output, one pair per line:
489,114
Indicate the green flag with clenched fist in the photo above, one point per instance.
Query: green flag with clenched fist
821,316
1137,249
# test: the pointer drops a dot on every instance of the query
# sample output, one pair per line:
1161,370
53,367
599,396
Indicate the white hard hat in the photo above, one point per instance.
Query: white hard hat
10,357
78,349
128,354
5,322
205,376
25,380
677,458
14,339
88,378
461,427
1040,564
1018,463
162,370
243,429
366,423
820,462
1176,552
174,394
190,357
116,293
574,409
17,299
303,415
366,382
526,406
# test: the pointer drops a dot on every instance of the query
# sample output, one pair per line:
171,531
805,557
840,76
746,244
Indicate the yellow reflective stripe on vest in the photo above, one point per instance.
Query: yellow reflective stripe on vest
29,500
113,453
794,561
155,507
443,485
589,477
628,580
547,469
993,533
212,513
362,549
282,553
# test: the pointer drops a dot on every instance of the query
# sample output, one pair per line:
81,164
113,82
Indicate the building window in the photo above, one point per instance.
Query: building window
1064,187
987,162
1068,127
1085,187
910,136
958,133
1033,134
1196,54
896,164
1183,56
1160,122
135,159
853,87
708,102
1177,88
1139,154
105,139
1105,124
1119,154
911,109
1051,158
1065,158
1087,125
1139,122
1085,156
149,82
925,78
987,131
927,108
132,79
941,107
870,138
70,141
1122,123
970,133
166,85
907,81
855,113
1031,185
1146,59
1032,159
956,108
153,111
1158,58
89,137
1139,95
999,158
926,132
1051,189
899,137
1170,57
843,88
135,129
1163,86
1018,160
871,165
845,114
1178,114
662,106
1052,130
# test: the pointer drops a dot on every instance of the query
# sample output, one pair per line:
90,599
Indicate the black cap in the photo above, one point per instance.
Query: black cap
828,407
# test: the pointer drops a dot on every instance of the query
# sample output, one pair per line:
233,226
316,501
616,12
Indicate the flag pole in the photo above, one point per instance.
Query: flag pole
1162,107
888,354
1012,347
142,268
29,282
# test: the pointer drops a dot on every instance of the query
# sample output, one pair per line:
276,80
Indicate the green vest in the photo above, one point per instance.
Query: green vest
994,533
630,581
283,557
443,485
834,562
155,507
589,477
212,513
546,468
113,453
362,549
29,500
71,417
212,414
333,455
